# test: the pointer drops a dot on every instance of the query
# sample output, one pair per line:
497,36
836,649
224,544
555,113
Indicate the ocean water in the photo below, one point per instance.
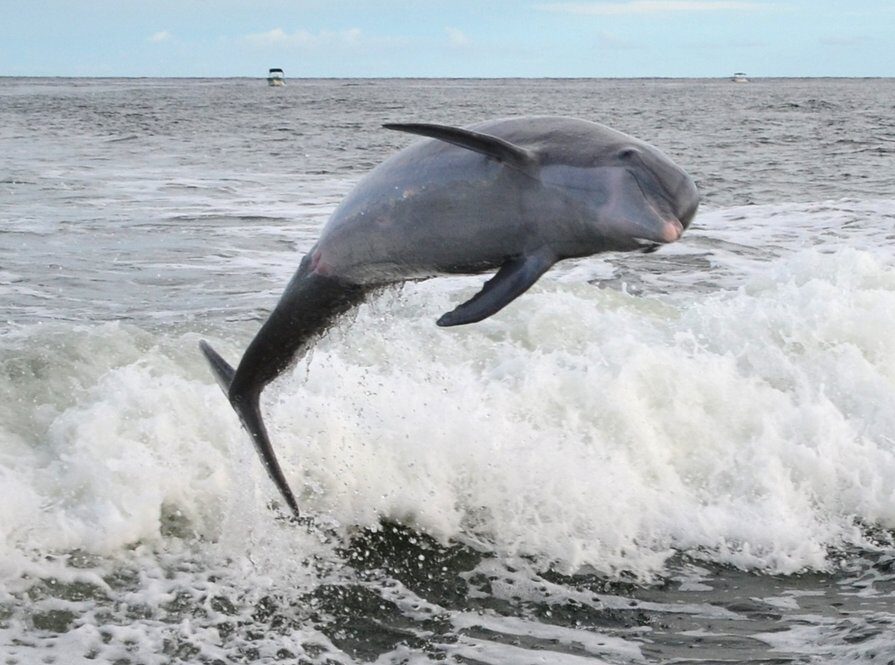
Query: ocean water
680,457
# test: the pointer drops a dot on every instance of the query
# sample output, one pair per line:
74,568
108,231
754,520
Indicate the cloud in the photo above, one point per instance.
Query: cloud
647,7
159,37
304,38
456,37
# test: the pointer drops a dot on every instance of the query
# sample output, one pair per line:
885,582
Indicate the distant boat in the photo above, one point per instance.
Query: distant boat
275,77
738,77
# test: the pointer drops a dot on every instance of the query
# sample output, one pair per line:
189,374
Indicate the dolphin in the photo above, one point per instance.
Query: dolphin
514,195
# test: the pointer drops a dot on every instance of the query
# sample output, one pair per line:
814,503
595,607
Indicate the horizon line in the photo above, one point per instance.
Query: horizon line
442,78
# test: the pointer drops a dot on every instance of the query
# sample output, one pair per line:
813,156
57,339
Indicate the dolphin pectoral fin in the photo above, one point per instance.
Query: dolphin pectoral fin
247,408
513,279
490,146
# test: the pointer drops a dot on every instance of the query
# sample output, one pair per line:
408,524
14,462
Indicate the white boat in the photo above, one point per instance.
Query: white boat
739,77
275,77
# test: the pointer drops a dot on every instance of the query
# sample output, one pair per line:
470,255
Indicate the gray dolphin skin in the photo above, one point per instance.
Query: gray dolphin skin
514,195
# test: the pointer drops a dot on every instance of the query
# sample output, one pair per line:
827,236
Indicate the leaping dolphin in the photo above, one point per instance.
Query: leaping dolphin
516,195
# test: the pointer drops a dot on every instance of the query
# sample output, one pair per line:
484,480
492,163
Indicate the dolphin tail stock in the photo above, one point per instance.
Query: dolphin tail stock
307,308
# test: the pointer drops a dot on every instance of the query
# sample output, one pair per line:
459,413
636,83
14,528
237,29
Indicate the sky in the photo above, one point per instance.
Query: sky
447,38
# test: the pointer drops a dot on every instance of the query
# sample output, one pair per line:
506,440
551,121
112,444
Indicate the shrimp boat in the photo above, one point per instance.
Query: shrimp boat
275,77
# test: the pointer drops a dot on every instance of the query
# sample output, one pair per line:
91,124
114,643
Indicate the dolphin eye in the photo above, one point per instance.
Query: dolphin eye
627,154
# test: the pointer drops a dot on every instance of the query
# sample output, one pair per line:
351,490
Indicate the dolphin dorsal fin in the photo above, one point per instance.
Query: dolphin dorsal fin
490,146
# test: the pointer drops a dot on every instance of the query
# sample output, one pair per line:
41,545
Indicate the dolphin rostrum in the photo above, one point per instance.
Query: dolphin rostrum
514,195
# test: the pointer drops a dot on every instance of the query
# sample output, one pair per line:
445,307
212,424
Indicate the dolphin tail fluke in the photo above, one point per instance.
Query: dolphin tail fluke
249,413
222,370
